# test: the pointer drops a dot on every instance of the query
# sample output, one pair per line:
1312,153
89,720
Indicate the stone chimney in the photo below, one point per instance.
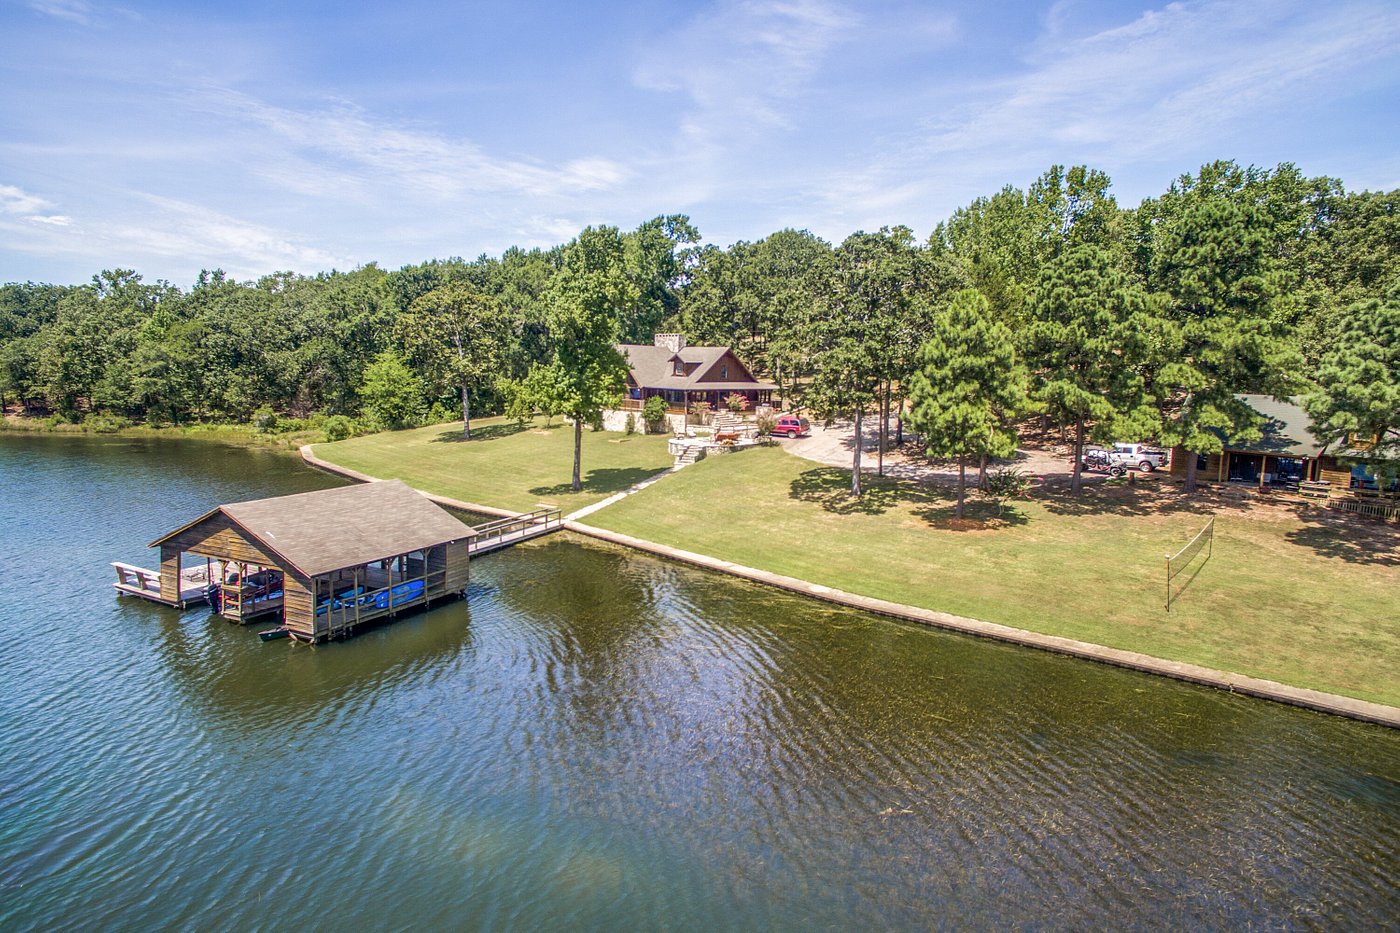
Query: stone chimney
673,342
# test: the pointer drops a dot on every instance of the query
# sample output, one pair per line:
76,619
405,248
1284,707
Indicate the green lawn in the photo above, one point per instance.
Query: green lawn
1299,596
504,466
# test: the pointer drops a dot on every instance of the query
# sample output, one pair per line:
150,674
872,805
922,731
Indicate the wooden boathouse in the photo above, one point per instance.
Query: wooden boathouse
326,561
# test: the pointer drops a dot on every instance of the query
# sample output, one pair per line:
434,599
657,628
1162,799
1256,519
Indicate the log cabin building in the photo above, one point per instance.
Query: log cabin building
1285,454
683,375
325,561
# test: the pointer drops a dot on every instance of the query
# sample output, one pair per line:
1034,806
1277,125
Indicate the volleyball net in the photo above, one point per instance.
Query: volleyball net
1178,562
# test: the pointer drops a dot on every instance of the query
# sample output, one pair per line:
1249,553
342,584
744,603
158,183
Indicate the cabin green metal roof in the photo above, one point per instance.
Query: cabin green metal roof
1287,431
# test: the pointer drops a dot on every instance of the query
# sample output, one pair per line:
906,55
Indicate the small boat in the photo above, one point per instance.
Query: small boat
273,634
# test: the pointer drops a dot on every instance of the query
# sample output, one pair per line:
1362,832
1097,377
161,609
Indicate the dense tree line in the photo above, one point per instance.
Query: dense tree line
1143,321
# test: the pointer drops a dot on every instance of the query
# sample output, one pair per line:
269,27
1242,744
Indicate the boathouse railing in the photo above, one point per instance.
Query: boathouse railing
340,615
138,578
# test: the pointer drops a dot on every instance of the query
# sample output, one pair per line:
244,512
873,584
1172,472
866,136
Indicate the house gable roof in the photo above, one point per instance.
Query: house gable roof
654,368
1286,429
331,529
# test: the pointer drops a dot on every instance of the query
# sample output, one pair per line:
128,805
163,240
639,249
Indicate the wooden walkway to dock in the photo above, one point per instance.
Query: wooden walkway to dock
503,532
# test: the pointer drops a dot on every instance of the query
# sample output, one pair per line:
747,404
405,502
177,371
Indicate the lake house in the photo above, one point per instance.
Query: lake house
683,375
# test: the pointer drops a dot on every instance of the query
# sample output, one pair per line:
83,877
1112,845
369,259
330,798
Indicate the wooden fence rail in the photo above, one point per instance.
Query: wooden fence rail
1385,511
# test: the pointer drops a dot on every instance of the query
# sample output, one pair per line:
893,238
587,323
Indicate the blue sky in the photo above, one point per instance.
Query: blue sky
261,136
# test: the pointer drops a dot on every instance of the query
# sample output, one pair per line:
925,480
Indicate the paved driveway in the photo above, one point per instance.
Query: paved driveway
835,446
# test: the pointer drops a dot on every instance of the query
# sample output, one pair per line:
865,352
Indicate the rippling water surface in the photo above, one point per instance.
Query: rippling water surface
597,739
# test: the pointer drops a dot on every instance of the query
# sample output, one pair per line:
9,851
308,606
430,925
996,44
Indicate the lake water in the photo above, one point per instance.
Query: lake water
597,739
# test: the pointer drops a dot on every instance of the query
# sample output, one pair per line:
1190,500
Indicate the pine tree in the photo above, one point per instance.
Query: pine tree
1357,404
1089,323
1222,340
968,387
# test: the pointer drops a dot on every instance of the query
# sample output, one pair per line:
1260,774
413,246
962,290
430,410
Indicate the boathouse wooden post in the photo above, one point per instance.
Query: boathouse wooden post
170,573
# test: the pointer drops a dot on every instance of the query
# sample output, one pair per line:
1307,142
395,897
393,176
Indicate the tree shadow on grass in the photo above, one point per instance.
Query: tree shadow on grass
607,481
1138,499
484,433
1351,538
830,488
978,515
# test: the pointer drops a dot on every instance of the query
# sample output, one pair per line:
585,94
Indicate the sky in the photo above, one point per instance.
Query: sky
170,137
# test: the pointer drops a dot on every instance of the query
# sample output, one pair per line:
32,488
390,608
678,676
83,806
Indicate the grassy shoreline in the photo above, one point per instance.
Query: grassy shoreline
231,435
1296,596
504,465
1292,594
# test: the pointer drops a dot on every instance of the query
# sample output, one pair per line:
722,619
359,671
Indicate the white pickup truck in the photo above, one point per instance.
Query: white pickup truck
1132,456
1141,456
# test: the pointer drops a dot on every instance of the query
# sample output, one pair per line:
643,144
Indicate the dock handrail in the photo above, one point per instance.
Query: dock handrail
542,519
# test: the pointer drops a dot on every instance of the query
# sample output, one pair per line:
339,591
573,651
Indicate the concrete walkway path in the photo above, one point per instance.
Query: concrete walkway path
618,496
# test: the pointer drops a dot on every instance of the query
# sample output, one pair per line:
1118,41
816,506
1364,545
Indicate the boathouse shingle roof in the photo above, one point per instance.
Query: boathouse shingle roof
331,529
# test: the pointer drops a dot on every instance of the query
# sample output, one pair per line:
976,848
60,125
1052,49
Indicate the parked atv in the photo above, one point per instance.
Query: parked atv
1097,461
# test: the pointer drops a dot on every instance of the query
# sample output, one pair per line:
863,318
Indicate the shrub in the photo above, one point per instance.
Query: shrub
700,412
1005,484
441,413
654,412
630,425
519,403
338,428
105,424
736,402
391,393
265,420
765,424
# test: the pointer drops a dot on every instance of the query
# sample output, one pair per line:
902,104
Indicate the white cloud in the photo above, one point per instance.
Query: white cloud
15,200
1149,90
181,230
82,12
18,203
343,151
169,232
1169,76
74,11
737,62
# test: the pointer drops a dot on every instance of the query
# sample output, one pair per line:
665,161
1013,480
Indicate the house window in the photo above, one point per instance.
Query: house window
1200,461
724,370
679,369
